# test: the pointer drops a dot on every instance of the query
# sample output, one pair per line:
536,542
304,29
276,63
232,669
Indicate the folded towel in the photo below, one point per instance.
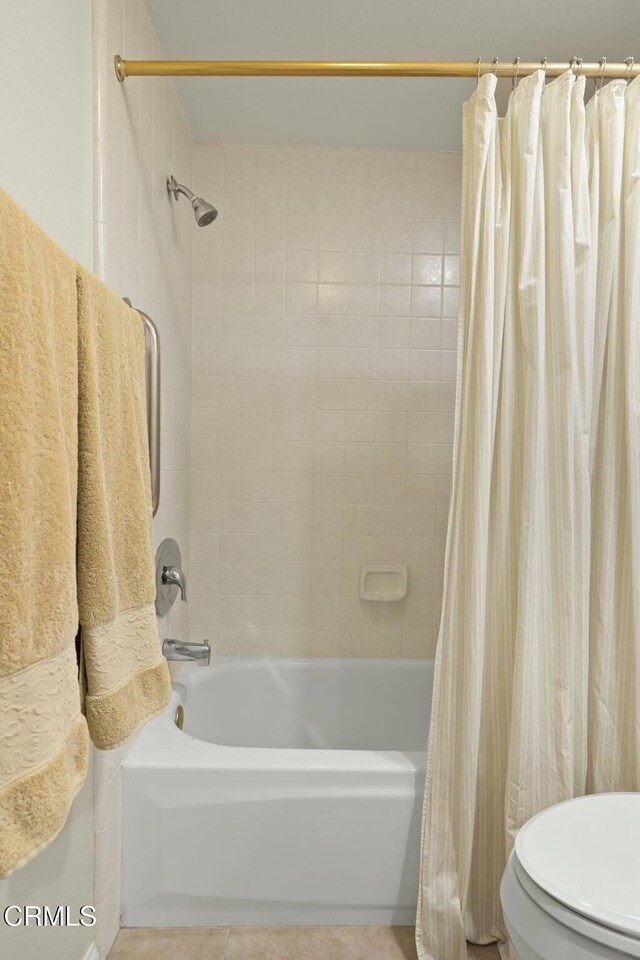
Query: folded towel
43,735
127,676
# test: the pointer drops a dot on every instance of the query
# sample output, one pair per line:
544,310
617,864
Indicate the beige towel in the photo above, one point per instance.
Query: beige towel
127,676
43,735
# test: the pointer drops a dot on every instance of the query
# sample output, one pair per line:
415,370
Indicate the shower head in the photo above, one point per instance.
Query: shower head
204,212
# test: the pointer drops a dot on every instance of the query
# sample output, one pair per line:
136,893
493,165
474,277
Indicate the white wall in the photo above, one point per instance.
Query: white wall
45,165
61,874
45,116
324,356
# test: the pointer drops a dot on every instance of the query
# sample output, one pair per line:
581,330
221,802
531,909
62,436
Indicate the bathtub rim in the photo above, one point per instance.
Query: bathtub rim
162,744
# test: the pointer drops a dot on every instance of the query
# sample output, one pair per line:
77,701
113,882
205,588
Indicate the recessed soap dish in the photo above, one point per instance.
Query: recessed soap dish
383,583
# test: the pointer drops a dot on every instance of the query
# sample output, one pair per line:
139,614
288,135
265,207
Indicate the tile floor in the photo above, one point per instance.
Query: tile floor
274,943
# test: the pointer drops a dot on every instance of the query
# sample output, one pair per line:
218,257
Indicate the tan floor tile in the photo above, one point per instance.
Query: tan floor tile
275,943
390,943
491,952
178,943
295,943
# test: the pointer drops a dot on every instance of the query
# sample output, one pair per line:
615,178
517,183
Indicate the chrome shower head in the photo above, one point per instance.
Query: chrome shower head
204,212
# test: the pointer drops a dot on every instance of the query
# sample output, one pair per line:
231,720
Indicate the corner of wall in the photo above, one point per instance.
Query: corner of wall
142,250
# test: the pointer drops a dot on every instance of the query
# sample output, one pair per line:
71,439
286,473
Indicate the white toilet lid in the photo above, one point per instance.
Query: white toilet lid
586,854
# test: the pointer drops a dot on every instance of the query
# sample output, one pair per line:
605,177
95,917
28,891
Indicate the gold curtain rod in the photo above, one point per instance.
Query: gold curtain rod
347,68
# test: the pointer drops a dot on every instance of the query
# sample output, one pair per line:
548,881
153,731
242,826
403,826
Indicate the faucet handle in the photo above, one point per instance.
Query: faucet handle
173,576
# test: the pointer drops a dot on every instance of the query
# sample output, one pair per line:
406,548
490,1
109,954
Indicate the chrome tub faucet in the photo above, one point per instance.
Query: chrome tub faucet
199,653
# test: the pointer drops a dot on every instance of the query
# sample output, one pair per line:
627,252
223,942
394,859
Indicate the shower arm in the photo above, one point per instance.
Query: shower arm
178,188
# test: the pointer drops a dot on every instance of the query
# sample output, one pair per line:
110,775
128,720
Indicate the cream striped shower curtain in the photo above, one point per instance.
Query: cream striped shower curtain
537,690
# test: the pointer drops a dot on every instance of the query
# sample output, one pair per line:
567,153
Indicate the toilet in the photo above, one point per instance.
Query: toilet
571,889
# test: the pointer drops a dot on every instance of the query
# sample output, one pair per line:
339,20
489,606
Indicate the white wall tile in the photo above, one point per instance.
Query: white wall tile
324,344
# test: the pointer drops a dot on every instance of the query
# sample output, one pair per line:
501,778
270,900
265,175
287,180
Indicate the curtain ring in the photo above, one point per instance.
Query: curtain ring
630,62
572,64
479,62
543,64
514,79
580,65
603,63
495,66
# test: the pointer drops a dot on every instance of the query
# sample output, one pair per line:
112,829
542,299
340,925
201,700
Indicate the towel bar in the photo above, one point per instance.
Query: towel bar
152,380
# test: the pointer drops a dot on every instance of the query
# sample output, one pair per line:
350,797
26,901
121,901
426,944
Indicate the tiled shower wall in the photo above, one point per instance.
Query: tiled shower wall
142,247
323,356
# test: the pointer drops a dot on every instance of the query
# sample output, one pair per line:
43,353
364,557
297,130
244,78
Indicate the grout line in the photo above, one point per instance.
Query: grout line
226,943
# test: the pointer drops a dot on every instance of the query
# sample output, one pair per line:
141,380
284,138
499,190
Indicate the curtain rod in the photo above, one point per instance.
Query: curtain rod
347,68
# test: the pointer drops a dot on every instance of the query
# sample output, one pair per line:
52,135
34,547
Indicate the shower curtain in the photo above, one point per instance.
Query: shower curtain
537,688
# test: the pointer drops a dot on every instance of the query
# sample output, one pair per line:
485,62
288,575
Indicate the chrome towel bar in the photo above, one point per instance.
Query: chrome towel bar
152,382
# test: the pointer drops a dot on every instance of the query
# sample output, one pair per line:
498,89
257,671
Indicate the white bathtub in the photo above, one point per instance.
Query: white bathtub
292,796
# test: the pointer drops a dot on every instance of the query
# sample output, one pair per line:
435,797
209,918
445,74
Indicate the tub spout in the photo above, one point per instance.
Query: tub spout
199,653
